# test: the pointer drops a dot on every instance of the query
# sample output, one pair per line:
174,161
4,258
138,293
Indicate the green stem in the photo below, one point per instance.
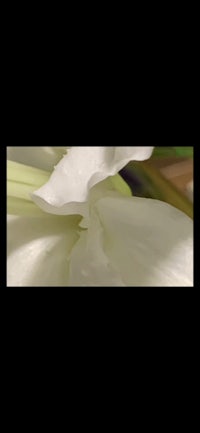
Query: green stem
22,180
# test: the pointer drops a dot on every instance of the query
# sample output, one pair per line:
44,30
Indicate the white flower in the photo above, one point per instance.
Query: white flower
80,170
115,240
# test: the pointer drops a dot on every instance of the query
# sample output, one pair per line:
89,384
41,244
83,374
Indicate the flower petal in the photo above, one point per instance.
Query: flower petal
38,250
89,265
79,171
149,241
134,242
43,157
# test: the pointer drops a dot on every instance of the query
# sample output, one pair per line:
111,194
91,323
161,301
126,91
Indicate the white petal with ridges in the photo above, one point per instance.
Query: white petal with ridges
149,241
134,242
80,170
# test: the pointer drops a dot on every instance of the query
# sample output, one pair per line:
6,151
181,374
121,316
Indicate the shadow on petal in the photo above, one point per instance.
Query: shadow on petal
43,157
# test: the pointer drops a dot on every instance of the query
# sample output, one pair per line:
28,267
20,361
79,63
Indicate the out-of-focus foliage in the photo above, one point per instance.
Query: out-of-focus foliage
168,151
146,181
